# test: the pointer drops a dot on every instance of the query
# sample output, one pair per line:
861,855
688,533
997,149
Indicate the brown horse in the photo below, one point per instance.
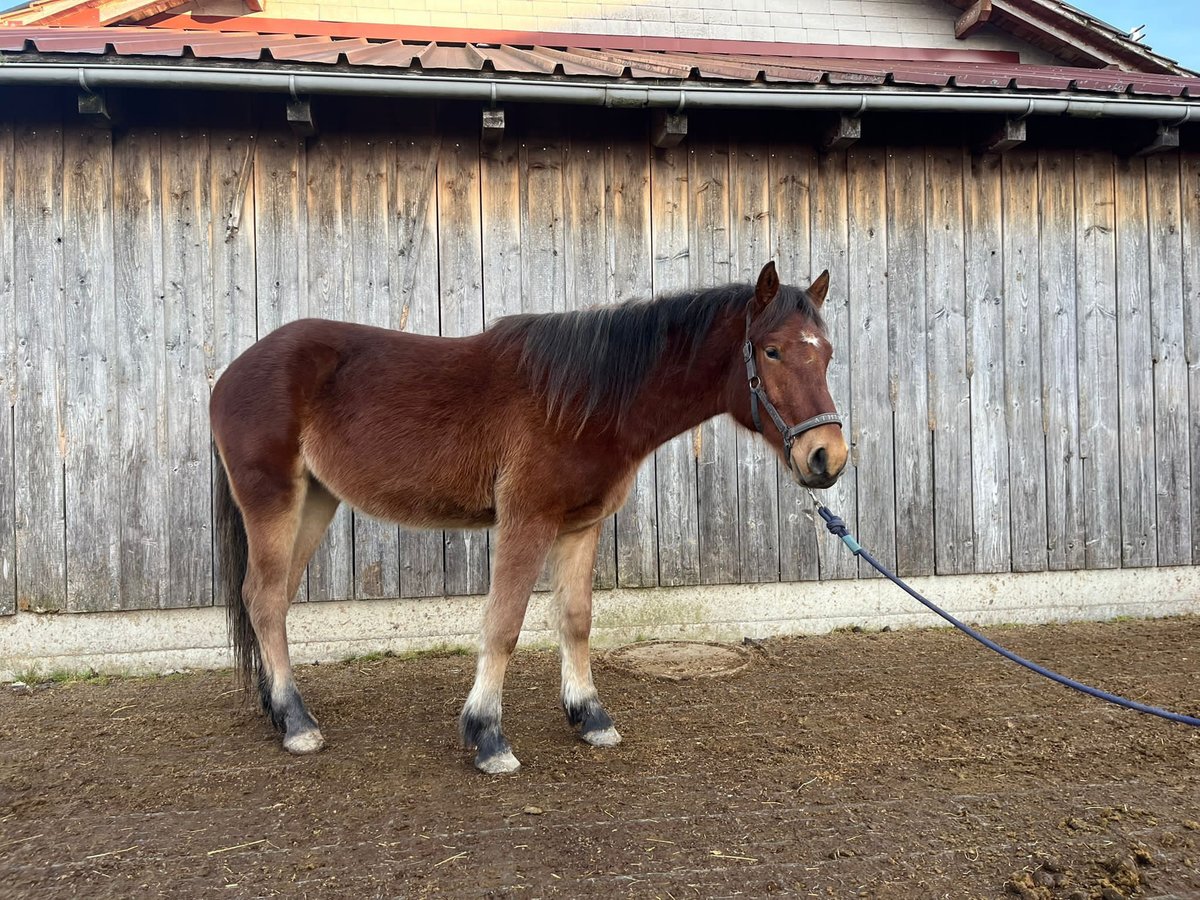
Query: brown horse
535,427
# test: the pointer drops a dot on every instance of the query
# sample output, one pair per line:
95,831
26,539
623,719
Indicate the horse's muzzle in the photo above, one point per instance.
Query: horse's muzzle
819,457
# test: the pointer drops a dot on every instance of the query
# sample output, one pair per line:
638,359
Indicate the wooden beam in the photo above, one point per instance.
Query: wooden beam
300,117
96,110
493,128
973,19
1166,137
844,133
1010,134
670,128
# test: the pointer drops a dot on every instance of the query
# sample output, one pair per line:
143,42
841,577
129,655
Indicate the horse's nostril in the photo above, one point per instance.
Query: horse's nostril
817,461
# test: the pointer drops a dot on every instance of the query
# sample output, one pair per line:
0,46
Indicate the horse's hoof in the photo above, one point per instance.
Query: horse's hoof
305,742
498,763
602,737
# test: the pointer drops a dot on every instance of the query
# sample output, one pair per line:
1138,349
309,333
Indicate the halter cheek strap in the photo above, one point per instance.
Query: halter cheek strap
758,396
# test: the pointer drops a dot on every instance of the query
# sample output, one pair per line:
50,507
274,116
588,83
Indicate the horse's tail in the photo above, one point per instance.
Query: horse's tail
232,560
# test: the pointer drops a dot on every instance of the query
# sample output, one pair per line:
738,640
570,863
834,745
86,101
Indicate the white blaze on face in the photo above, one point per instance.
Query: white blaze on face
809,338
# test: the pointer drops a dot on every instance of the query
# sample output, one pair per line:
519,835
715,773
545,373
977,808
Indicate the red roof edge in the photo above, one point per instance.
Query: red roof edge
428,34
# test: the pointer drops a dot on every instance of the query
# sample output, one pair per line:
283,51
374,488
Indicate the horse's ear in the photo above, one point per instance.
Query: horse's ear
767,287
819,289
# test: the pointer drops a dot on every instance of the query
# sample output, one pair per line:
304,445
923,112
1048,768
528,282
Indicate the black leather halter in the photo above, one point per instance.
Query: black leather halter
759,396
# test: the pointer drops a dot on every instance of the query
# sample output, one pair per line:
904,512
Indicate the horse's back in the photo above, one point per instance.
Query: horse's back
382,418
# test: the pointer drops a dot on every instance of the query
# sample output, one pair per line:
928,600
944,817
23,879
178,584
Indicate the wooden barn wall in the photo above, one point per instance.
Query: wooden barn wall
1015,340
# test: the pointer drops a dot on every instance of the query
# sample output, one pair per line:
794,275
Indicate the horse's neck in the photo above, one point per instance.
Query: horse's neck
678,396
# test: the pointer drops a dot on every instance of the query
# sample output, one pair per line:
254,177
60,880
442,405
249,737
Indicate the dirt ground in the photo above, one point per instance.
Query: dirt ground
908,764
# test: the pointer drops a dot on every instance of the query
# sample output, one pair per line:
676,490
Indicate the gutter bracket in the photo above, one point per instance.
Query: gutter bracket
94,106
845,131
669,128
300,116
492,126
1166,137
1011,133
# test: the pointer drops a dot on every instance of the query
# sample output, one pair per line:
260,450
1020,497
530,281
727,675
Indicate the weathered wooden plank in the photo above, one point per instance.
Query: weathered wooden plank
280,221
543,255
188,310
830,232
791,179
8,376
1096,286
629,261
280,243
413,236
235,318
500,199
1060,381
328,261
1135,367
757,477
141,390
949,388
40,332
871,434
586,272
909,361
1190,195
460,263
543,271
231,165
330,248
710,260
92,438
372,302
1172,454
675,461
991,513
1023,362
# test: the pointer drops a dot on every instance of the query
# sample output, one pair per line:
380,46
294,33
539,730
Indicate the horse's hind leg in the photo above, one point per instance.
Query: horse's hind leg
573,561
280,544
520,554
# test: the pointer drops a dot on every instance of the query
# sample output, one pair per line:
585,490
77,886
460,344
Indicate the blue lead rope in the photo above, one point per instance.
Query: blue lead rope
838,529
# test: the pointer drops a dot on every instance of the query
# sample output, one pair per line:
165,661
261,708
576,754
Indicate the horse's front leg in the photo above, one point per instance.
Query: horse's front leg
573,561
521,550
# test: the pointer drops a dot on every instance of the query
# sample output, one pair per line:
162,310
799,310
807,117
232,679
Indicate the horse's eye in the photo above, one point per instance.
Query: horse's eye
772,353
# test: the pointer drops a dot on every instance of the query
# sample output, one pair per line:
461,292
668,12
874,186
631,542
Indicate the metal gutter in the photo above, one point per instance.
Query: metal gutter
502,90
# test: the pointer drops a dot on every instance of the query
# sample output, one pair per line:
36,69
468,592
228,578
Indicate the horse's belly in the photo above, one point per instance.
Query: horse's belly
417,498
423,512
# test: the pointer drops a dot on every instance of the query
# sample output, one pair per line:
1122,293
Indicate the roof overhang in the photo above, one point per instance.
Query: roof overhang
131,57
1069,33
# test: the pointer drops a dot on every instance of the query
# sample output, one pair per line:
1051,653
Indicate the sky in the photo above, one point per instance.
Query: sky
1172,26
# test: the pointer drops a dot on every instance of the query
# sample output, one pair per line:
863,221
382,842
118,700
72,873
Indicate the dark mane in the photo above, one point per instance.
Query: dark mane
597,359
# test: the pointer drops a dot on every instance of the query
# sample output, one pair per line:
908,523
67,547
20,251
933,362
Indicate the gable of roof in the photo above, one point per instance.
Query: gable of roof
1074,36
1069,34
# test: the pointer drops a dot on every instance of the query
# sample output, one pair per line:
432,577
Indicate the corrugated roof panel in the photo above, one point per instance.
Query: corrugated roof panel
438,56
541,62
391,53
574,62
515,59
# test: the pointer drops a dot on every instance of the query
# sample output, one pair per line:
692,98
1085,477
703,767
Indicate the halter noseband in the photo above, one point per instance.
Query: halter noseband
758,395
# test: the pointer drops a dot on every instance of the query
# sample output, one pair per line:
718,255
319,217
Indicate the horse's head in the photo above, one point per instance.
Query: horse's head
784,393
